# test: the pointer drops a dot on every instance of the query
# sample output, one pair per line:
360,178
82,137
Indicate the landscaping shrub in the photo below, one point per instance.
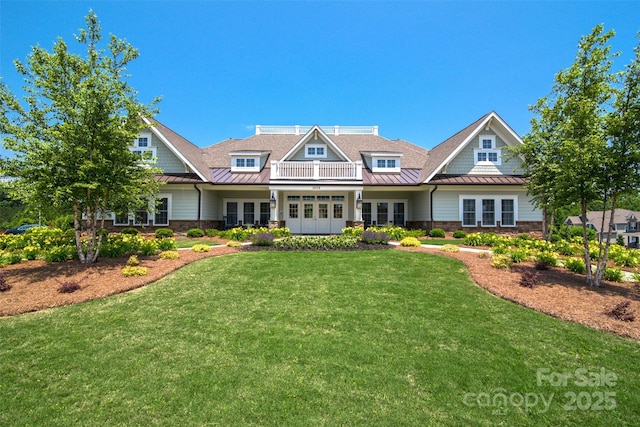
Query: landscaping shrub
567,249
529,279
353,231
167,244
68,287
211,232
501,261
473,239
148,247
234,244
280,232
60,254
450,248
238,233
317,243
133,261
262,239
163,233
131,271
30,252
624,257
4,286
130,230
410,241
437,232
544,260
169,255
484,254
460,234
613,274
621,311
576,265
201,248
375,238
11,258
195,233
518,255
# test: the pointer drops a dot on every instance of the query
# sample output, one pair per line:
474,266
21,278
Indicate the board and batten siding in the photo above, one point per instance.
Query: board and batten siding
166,160
446,201
464,162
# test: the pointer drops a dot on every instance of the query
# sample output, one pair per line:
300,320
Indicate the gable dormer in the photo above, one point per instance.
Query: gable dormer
315,145
383,162
248,161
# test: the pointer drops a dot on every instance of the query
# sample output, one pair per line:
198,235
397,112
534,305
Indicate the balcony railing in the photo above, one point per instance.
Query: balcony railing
316,170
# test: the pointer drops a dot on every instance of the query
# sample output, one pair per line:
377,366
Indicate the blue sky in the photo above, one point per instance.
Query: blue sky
420,70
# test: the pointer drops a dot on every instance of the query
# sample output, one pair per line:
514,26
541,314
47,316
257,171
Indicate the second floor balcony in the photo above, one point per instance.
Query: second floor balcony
316,170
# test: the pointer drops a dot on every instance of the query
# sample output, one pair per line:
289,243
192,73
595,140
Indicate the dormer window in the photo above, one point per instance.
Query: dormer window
245,162
316,151
487,153
385,162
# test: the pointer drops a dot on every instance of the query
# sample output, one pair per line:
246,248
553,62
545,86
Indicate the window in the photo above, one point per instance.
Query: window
249,213
316,151
142,147
366,213
492,156
293,210
143,141
141,217
232,213
308,211
487,142
323,210
487,154
121,219
265,213
162,212
469,212
383,213
482,156
398,214
337,210
386,165
508,217
244,164
488,212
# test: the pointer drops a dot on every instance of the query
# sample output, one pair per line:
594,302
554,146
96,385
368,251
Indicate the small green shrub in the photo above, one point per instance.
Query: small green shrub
501,261
460,234
169,255
353,231
31,252
11,258
148,247
410,242
544,260
316,243
262,239
60,254
576,265
131,271
437,232
201,248
130,230
133,261
613,274
163,233
195,233
167,244
518,255
211,232
450,248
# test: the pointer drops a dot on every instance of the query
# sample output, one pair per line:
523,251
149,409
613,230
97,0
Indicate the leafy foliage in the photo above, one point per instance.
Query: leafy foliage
622,311
529,278
262,239
613,274
375,238
131,271
501,261
437,232
133,261
410,241
201,248
163,233
450,248
130,230
316,243
67,287
169,255
575,264
195,232
460,234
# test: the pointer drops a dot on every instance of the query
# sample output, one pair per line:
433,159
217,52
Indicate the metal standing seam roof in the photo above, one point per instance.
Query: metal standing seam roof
179,178
478,180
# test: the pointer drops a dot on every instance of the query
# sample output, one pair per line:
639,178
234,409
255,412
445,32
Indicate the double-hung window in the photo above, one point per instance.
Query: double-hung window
491,211
469,212
508,217
487,152
488,212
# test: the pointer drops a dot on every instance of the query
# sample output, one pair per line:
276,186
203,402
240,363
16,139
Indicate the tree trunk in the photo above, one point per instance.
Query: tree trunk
551,223
77,226
602,262
585,238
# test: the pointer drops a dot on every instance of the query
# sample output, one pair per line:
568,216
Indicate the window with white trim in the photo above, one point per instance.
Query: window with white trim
508,217
161,216
469,212
493,210
121,220
316,151
487,153
142,146
245,164
488,212
141,216
385,164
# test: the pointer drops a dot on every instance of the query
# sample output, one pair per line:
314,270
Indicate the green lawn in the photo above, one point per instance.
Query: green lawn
345,338
441,242
188,243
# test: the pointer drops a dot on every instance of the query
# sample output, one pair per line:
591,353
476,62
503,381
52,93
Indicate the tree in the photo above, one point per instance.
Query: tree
72,131
586,134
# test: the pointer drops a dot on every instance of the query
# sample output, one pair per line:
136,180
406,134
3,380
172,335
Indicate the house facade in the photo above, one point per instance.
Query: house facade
625,223
318,180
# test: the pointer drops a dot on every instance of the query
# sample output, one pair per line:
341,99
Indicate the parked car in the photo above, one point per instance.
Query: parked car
21,229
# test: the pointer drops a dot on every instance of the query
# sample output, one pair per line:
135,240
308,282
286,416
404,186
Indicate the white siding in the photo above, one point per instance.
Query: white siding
184,204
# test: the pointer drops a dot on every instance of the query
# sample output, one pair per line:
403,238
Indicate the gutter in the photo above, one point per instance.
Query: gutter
199,204
431,203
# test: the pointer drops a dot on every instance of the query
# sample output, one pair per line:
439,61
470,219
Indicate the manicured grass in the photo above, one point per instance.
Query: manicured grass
309,338
441,242
188,243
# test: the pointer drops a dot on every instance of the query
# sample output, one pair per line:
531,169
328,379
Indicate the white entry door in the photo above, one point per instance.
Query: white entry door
323,220
309,210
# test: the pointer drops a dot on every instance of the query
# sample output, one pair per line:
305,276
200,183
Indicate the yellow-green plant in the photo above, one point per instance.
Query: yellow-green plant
133,261
410,241
201,248
234,244
169,255
450,248
130,271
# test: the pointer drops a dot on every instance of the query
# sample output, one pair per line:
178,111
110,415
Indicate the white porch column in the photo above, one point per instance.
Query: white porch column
358,205
273,204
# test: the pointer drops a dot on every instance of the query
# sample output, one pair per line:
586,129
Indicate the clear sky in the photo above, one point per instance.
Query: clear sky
420,70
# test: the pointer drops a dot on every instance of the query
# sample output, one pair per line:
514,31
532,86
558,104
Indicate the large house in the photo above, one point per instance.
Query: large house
318,180
625,223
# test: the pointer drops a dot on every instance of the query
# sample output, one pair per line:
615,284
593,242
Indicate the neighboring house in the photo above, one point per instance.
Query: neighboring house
318,180
625,223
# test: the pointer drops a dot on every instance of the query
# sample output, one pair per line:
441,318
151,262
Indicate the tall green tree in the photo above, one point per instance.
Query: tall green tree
582,161
72,131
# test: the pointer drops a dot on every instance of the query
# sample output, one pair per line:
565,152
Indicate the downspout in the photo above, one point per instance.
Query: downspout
199,204
431,203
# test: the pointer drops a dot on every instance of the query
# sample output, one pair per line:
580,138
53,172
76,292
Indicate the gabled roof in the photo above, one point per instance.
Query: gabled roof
620,216
316,133
187,152
446,151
